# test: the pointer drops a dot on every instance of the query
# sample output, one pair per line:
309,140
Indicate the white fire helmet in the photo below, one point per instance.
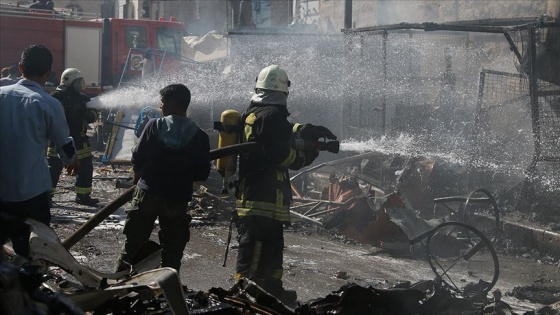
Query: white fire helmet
70,75
273,78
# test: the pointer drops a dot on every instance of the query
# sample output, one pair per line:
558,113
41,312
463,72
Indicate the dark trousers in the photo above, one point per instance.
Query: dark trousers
36,208
84,178
174,231
260,253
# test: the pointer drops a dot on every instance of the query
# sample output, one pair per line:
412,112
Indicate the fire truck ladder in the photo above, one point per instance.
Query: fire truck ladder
134,63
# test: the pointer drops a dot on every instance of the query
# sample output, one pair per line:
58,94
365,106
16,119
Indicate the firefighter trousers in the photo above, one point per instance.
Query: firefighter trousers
260,253
84,177
174,231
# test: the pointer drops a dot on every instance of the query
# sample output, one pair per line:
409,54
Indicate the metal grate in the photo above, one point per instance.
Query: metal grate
414,82
503,130
549,118
429,85
546,85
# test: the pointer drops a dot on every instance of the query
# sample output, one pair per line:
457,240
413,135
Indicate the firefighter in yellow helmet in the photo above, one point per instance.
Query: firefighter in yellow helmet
264,191
78,116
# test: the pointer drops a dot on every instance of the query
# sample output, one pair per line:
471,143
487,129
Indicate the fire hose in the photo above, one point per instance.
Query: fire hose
127,195
122,199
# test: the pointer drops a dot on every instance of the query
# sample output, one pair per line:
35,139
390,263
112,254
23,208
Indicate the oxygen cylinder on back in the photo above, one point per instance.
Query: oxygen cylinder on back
228,135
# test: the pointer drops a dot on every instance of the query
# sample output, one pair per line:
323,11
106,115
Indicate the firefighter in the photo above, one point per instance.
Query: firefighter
263,190
78,116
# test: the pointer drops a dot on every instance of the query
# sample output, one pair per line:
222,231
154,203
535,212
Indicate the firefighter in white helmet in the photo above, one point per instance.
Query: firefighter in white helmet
78,116
264,191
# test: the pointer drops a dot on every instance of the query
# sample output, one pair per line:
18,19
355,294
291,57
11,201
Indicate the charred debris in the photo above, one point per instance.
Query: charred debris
348,202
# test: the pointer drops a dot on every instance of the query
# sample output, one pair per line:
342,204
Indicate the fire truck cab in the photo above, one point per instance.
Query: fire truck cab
106,50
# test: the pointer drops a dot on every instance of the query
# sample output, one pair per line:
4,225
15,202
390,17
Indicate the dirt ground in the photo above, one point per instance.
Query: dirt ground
316,261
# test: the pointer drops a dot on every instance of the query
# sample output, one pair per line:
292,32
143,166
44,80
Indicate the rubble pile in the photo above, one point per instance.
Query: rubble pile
21,291
356,214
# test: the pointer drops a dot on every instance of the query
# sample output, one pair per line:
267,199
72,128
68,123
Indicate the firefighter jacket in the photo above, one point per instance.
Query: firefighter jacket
264,186
78,116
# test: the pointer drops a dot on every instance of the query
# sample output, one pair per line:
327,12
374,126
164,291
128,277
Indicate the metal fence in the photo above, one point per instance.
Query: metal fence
407,77
430,85
537,48
502,135
538,53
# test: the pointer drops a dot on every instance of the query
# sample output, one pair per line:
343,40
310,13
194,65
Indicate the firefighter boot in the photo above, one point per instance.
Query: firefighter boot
287,297
86,200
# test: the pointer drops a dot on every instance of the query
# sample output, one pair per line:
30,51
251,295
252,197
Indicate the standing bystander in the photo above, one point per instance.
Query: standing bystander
29,118
13,76
5,72
171,154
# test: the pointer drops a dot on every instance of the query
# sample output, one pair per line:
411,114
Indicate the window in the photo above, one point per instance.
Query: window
170,40
146,9
135,36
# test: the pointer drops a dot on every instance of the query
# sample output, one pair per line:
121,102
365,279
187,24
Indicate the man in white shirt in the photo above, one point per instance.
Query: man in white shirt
29,119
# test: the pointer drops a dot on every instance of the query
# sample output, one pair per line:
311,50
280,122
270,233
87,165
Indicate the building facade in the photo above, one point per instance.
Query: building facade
198,16
202,16
373,13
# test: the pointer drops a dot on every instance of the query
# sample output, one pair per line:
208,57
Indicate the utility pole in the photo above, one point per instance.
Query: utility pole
347,14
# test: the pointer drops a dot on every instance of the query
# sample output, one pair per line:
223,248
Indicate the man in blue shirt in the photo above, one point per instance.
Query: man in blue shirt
29,118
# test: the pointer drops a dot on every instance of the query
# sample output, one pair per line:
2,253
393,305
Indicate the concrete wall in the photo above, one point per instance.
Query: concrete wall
371,13
201,16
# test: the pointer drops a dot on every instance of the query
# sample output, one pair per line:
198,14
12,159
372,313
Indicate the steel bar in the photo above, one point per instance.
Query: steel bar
317,205
323,212
304,205
306,217
319,200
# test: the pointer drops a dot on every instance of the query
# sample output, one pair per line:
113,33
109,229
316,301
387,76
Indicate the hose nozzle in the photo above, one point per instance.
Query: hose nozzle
330,146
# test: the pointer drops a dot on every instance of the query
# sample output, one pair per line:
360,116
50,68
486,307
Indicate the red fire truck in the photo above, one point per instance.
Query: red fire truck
108,51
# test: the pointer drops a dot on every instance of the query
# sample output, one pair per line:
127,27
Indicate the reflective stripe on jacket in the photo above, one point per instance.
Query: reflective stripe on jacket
264,184
78,116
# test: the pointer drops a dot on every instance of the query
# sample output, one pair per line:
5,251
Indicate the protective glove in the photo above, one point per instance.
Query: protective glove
310,156
313,133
